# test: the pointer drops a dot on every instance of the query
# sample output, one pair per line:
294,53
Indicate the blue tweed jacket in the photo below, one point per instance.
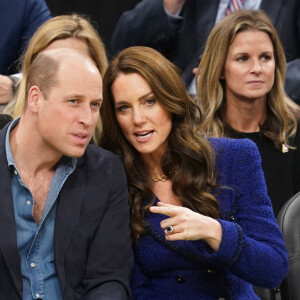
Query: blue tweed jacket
252,251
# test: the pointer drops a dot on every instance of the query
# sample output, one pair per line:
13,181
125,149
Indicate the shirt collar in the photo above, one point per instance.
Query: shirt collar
9,156
71,162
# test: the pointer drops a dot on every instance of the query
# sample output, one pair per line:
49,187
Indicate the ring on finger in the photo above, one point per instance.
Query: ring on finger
170,229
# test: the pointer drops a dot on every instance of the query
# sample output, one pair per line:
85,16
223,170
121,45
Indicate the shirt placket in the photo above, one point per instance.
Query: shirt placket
34,269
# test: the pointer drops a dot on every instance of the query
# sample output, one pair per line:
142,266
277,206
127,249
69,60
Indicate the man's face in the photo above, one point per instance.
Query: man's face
67,115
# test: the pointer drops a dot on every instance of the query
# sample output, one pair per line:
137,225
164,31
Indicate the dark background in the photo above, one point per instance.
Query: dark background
103,14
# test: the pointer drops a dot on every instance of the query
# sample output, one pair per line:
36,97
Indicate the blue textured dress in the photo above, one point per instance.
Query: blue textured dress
251,252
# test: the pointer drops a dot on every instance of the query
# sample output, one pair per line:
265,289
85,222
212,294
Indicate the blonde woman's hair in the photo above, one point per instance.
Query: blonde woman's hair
57,28
281,123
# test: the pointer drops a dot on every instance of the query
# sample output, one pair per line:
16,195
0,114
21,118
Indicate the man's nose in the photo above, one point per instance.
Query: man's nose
86,115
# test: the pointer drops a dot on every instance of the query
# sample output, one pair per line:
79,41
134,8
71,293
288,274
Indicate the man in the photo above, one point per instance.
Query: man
179,29
65,218
18,22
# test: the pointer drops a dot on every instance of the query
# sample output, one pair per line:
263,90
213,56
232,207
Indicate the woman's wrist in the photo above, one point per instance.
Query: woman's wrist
214,234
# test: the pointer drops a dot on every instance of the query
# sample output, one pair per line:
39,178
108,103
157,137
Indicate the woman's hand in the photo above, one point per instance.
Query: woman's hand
185,224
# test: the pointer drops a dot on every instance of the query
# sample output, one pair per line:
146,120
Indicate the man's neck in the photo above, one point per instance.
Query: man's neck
28,151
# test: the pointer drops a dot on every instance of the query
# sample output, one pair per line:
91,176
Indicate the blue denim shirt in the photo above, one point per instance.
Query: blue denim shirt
35,242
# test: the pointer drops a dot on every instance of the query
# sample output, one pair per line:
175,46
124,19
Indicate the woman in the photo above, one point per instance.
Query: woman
240,90
66,31
202,222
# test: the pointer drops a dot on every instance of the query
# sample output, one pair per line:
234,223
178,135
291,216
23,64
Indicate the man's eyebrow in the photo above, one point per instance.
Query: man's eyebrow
82,96
98,99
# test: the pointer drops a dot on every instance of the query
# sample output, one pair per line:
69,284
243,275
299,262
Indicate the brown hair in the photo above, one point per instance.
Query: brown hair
187,148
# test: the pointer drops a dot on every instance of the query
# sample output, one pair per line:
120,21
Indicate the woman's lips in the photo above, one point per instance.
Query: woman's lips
144,136
255,82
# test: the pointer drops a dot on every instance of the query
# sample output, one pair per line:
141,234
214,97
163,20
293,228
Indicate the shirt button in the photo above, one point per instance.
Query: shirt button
210,271
28,202
16,172
37,295
32,265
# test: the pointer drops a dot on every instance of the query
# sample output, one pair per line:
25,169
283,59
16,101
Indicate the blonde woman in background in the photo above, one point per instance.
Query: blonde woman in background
240,91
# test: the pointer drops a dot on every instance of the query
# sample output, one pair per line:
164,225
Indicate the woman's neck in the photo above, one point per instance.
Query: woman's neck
246,116
154,167
152,162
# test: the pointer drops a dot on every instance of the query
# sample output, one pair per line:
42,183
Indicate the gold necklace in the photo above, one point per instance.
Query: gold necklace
164,177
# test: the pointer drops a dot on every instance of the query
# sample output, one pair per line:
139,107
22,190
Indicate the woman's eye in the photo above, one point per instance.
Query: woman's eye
150,101
242,58
122,108
266,57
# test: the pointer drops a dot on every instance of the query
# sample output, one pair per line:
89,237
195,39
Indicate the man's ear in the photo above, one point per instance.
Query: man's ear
34,98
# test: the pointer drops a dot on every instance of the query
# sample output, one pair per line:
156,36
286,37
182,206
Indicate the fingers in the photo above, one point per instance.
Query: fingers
169,229
165,209
174,233
165,204
165,224
174,227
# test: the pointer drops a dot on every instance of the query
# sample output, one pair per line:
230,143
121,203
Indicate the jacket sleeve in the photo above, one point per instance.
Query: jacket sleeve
110,258
145,25
35,14
252,246
292,80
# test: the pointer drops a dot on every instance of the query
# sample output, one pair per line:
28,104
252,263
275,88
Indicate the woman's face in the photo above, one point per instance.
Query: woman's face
250,66
143,121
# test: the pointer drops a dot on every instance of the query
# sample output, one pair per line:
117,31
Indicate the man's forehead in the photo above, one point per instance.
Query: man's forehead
66,56
74,83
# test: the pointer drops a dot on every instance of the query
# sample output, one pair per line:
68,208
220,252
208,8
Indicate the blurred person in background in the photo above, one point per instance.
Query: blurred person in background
18,22
179,30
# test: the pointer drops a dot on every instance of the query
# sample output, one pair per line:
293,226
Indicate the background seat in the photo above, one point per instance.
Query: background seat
289,223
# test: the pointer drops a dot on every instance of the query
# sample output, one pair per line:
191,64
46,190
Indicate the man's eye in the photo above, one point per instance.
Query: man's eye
74,101
96,104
